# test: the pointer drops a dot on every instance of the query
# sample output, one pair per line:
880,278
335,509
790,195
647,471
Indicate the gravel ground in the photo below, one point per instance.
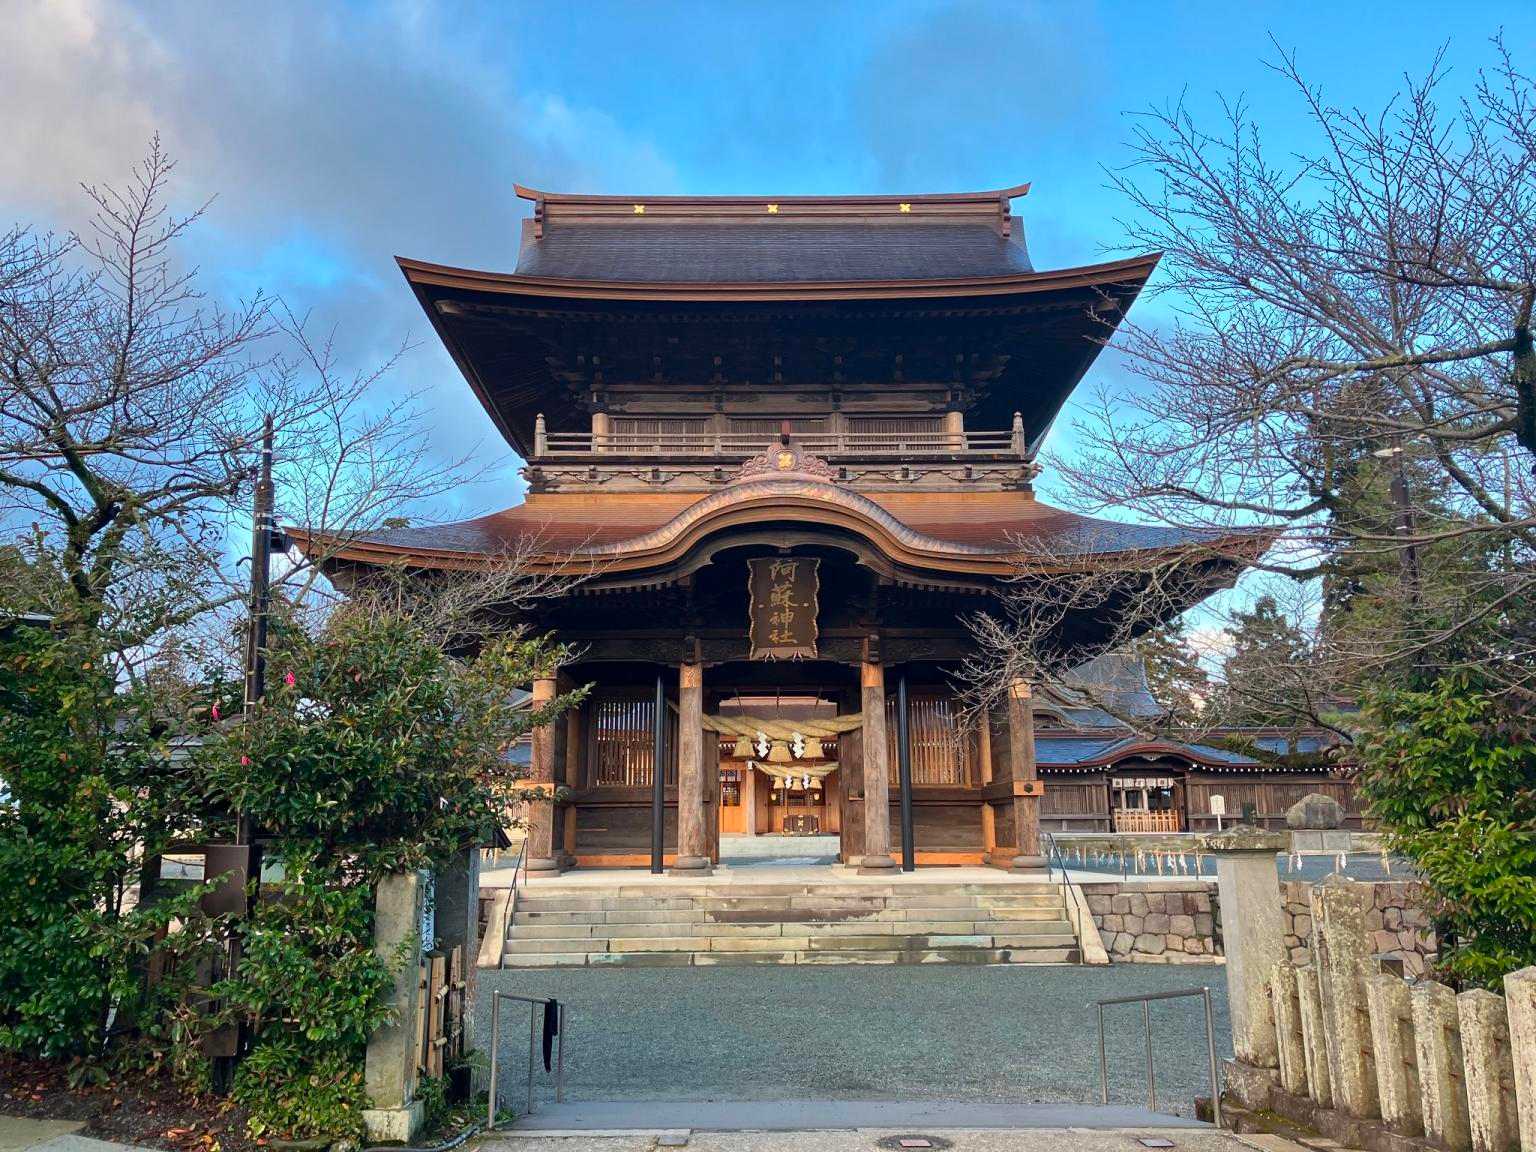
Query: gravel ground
1006,1034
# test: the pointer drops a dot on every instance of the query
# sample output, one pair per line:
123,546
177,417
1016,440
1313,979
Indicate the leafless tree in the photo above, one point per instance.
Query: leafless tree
1351,362
1072,598
131,408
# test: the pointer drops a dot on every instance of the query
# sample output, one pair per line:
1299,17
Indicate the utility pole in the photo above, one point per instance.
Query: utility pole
262,531
241,860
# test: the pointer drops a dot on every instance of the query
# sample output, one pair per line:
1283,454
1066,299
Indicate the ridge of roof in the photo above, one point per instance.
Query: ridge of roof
992,195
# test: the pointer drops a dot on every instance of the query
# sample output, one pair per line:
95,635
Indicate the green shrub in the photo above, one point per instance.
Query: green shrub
298,1091
76,756
1450,774
373,752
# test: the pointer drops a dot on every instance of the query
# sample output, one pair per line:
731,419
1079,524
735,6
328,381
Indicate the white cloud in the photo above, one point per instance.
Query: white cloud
334,138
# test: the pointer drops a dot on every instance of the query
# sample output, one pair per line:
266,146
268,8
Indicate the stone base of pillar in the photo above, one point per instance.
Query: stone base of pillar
691,866
877,866
1251,1086
393,1125
538,864
1027,864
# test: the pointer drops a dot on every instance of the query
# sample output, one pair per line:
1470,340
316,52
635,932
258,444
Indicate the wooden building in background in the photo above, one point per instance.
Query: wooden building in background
789,445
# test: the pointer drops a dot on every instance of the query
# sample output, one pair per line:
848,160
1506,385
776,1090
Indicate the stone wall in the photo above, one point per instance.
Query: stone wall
1398,923
1159,922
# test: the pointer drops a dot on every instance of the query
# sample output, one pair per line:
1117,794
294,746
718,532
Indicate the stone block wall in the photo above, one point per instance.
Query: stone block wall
1397,921
1162,922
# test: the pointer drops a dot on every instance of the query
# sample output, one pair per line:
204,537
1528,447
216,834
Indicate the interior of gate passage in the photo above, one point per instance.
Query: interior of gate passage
859,385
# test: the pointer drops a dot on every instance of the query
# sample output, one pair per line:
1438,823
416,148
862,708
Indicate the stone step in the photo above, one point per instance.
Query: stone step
959,955
965,927
793,943
544,890
759,915
943,899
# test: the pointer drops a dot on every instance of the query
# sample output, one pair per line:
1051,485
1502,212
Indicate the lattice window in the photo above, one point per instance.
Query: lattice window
644,431
767,427
895,427
621,741
940,747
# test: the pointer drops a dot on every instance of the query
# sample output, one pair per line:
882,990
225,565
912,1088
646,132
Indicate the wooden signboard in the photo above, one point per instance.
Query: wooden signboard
782,594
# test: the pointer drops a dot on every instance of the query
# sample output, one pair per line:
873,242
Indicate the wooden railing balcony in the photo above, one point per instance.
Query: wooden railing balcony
1007,444
1132,820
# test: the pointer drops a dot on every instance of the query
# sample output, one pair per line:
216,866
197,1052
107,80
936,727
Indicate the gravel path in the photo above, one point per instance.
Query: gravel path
1005,1034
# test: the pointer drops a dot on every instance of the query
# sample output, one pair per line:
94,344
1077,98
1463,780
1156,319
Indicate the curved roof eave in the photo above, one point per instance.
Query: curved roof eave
1132,270
803,500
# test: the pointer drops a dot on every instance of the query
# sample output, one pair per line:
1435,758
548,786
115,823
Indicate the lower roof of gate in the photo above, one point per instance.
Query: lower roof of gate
976,533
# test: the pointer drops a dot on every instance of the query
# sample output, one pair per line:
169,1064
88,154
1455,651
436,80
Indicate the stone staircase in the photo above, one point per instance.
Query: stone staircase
700,923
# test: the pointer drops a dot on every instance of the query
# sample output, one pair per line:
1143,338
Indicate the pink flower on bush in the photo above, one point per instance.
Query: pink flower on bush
288,678
215,711
245,761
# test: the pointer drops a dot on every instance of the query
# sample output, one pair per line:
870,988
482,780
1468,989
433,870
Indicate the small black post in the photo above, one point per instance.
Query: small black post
904,774
659,779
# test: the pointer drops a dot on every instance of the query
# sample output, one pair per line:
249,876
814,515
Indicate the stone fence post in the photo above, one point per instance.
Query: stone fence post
389,1073
1398,1070
1442,1074
1520,995
1340,944
1253,937
1490,1071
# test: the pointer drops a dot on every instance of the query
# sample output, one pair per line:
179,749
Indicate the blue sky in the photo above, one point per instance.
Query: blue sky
337,136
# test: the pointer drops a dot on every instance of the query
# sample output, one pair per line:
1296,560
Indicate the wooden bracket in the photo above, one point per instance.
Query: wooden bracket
1029,788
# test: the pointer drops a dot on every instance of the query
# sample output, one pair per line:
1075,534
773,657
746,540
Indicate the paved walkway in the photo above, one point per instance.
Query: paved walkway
809,1115
1064,1139
1017,1034
22,1135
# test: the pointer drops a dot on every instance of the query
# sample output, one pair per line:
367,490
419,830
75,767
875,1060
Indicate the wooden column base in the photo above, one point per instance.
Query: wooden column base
691,866
878,866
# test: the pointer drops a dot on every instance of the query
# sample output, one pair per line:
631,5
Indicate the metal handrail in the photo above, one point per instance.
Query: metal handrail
1204,992
1053,856
533,1003
520,864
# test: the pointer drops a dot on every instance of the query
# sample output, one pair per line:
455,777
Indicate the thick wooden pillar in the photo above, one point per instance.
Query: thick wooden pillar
1027,788
693,839
541,809
877,771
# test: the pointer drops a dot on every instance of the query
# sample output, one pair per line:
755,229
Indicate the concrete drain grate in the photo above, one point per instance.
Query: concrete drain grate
914,1143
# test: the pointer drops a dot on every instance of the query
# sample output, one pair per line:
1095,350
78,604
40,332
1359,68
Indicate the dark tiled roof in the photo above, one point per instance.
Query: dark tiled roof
1069,751
1093,751
1117,680
777,253
1302,745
